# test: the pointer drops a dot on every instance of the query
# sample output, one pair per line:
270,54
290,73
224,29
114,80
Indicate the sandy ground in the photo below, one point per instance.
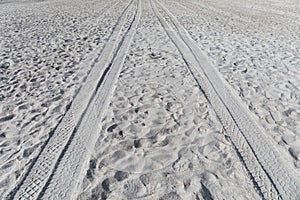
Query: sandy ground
256,46
160,136
42,45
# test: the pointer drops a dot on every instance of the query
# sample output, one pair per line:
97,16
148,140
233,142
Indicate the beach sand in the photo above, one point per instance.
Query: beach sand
191,100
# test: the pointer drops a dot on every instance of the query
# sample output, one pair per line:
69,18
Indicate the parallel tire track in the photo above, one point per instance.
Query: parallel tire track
71,170
35,180
273,179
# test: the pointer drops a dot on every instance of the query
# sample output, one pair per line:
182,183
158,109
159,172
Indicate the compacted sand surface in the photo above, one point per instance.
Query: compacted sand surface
148,99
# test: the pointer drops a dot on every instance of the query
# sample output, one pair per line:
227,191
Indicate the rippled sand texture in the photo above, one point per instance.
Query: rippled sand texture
44,51
160,138
256,46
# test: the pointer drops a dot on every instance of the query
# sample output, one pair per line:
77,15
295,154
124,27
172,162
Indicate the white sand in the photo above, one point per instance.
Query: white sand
161,137
255,45
40,71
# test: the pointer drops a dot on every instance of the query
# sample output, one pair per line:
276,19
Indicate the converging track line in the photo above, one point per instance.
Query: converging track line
98,84
272,178
76,158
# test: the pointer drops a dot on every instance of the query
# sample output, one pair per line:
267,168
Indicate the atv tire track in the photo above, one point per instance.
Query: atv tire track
33,183
260,157
75,160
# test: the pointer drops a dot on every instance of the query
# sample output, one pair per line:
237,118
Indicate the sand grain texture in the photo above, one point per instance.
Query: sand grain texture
148,99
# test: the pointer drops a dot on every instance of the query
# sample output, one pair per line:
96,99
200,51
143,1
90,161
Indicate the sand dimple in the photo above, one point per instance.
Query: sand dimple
41,49
256,50
160,138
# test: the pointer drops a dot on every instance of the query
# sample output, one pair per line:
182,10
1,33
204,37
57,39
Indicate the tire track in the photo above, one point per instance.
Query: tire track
76,157
273,179
41,169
